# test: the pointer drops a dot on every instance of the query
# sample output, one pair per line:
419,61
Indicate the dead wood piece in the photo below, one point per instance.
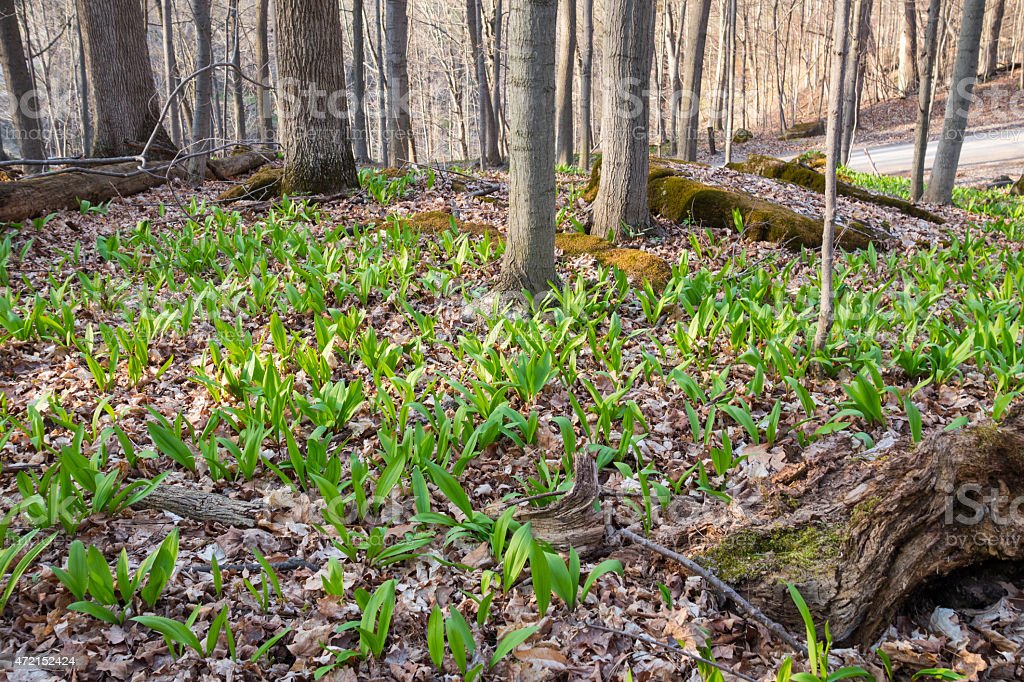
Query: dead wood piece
202,506
575,520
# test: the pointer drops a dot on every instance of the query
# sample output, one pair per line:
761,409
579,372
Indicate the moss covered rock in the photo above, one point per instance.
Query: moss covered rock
742,135
802,130
798,174
262,185
434,222
638,265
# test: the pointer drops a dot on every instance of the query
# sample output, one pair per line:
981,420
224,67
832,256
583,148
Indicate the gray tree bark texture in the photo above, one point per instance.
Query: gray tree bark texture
400,145
833,133
958,103
19,83
993,27
170,69
673,47
383,120
625,136
360,144
83,92
489,152
264,105
123,91
529,260
587,84
693,75
314,111
853,77
202,113
237,96
564,72
924,99
907,77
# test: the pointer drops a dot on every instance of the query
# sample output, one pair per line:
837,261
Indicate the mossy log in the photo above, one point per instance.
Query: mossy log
638,265
1018,187
859,535
435,222
798,174
261,186
37,195
802,130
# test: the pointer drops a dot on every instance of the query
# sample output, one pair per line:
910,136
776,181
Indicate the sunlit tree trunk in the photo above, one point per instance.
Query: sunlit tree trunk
993,27
693,75
908,76
853,77
587,84
565,66
924,99
360,146
237,95
202,113
400,148
26,105
264,105
171,68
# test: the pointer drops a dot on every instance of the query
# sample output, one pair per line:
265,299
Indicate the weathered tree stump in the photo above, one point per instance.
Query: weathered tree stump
859,534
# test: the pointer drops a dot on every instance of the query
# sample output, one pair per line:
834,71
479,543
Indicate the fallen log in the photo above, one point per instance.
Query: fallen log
34,196
202,506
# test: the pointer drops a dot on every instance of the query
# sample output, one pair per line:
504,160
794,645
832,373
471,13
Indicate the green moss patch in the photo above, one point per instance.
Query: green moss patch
802,130
792,554
434,222
638,265
262,185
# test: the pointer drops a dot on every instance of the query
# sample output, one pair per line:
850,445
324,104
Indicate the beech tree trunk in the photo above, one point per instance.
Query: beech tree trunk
26,105
529,260
489,153
924,99
961,92
314,112
566,62
171,69
908,76
401,143
85,115
238,98
123,92
853,76
202,116
587,85
264,106
673,50
360,145
625,136
993,27
382,79
693,76
833,134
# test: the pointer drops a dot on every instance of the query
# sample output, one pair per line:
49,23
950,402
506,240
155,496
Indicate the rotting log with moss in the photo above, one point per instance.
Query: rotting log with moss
861,535
638,265
801,130
680,199
435,222
798,174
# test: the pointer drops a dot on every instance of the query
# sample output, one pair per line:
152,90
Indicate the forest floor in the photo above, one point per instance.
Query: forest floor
288,357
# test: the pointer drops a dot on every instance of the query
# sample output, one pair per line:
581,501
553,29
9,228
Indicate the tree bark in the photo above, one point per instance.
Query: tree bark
625,136
529,260
360,145
924,99
673,50
489,153
314,111
908,75
730,79
564,71
123,91
383,120
25,105
170,69
238,98
693,75
853,77
587,85
85,114
264,105
202,113
833,133
993,27
401,143
961,92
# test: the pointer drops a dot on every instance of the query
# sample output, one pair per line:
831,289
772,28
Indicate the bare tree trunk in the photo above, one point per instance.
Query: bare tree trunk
384,121
401,146
840,39
202,117
693,74
924,99
171,69
961,92
85,114
500,124
566,62
854,76
587,85
314,128
908,76
238,99
264,106
529,260
123,91
625,136
673,49
26,110
359,137
489,153
730,80
993,27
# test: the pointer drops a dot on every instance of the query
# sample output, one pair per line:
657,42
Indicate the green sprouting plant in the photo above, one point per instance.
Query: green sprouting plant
268,581
333,405
931,673
334,578
112,594
21,546
530,373
107,493
373,627
86,207
818,651
168,441
462,645
865,400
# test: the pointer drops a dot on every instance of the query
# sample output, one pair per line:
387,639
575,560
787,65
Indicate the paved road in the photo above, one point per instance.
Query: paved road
980,148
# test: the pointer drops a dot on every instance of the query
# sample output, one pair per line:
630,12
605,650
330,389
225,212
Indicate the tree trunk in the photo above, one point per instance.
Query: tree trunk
993,27
853,77
730,80
833,133
85,114
566,62
401,143
170,69
26,104
587,85
314,112
693,75
360,144
238,99
264,105
122,88
908,76
202,113
529,260
383,119
924,99
961,92
489,153
673,47
628,51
